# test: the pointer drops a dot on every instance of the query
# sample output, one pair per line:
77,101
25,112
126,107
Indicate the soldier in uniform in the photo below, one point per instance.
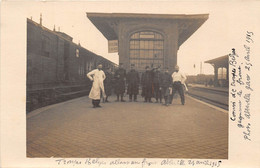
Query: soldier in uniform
120,77
166,86
132,80
156,84
108,83
147,85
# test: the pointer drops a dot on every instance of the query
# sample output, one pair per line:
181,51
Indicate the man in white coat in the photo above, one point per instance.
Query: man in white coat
97,76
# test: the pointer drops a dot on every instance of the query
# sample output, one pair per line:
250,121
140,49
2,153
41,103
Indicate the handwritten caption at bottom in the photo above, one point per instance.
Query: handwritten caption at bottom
138,163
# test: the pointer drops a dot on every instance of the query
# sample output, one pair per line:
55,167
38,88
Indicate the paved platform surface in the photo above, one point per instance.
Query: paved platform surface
128,130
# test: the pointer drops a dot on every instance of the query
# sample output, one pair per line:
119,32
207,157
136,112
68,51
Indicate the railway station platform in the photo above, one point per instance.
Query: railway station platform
128,130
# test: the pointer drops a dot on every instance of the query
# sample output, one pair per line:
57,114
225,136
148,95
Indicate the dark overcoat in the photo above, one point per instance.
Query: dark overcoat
147,84
166,82
132,80
120,75
108,83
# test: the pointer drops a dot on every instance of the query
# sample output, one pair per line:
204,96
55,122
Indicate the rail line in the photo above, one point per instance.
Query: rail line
210,99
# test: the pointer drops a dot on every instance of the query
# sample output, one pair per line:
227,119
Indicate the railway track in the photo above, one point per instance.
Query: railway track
214,97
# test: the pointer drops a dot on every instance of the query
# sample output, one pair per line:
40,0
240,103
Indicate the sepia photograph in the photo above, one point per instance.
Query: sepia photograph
129,108
142,80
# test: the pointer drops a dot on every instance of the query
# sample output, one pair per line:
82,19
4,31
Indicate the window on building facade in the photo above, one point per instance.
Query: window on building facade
146,49
222,73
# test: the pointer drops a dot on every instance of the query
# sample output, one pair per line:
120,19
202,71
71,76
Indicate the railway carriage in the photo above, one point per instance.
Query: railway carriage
56,67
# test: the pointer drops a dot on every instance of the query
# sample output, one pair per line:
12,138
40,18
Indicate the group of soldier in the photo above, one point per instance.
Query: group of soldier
154,83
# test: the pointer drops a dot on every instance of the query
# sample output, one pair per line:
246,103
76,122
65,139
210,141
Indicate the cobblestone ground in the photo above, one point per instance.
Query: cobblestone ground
128,130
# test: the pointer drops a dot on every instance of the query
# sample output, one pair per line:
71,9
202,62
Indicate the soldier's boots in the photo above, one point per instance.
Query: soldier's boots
117,100
122,100
130,98
106,100
135,98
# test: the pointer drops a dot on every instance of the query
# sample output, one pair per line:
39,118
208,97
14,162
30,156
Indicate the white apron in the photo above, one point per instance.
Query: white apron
98,76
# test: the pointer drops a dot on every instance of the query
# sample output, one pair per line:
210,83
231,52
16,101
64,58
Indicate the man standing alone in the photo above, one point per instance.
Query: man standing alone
178,79
120,76
132,80
97,76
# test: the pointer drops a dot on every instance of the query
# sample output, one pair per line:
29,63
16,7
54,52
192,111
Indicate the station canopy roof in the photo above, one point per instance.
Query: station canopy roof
187,24
220,61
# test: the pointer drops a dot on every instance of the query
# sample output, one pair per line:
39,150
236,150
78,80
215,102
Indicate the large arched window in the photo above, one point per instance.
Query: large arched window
146,49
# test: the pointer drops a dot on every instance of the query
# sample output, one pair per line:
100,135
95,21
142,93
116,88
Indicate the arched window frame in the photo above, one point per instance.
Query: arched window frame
146,47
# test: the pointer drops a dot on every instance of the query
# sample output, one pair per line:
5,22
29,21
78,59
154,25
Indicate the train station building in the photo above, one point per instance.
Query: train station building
147,39
221,72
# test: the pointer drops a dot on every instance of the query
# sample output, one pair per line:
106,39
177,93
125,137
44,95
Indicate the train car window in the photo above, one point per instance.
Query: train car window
45,46
77,53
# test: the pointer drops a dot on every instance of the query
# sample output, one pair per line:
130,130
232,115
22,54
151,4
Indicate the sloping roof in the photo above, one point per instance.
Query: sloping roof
223,60
188,24
57,33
